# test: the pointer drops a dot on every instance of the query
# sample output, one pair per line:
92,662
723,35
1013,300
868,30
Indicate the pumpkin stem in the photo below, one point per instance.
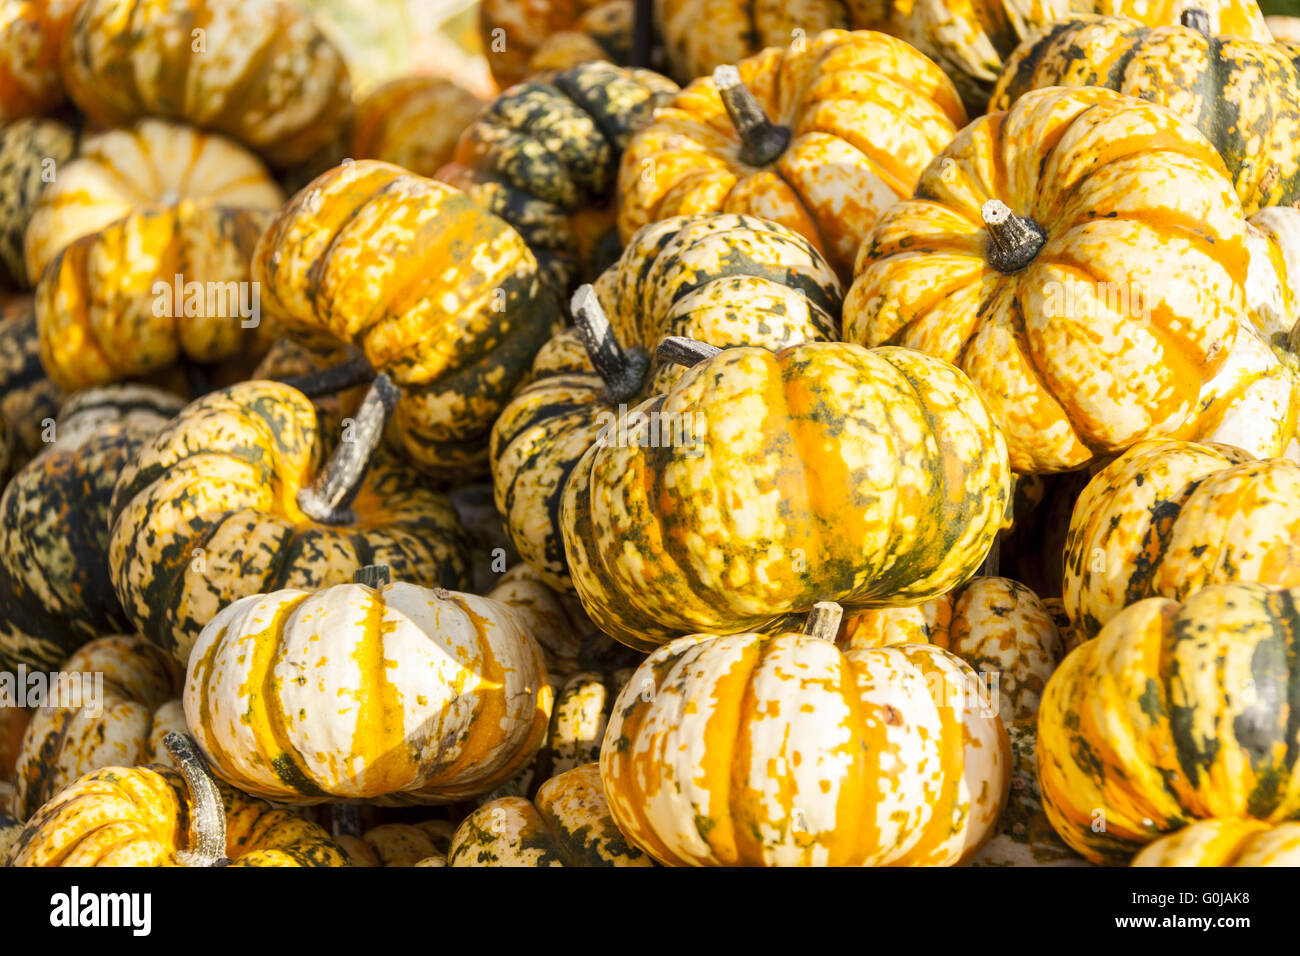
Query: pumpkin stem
1013,240
622,370
329,498
373,576
761,140
1196,19
824,621
207,810
347,374
642,33
345,819
685,352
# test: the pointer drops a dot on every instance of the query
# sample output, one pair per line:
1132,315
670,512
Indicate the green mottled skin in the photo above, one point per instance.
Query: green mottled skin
25,147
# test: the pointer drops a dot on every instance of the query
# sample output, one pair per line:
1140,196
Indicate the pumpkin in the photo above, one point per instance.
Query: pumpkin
54,524
1045,253
399,844
1172,713
122,726
28,399
32,152
521,37
544,157
1284,28
10,829
230,500
259,71
138,208
1225,843
1171,517
413,122
815,472
683,276
781,750
156,816
30,34
782,135
463,706
1273,280
1242,94
568,823
441,295
560,628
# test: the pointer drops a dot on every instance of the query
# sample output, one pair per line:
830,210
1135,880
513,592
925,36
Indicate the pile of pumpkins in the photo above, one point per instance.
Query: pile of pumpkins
842,434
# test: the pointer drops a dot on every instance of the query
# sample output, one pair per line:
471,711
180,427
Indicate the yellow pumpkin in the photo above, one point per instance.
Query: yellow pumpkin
1240,842
521,37
31,32
782,136
413,122
399,844
1046,253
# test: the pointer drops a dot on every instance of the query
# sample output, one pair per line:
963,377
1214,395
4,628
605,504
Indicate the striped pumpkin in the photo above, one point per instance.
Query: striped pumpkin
54,525
122,728
521,37
682,276
135,209
462,706
568,823
1173,713
438,293
31,32
1243,95
29,401
781,750
156,816
1240,842
817,472
560,628
413,122
10,829
544,157
783,138
210,512
1170,517
1273,280
32,154
259,71
1045,253
400,844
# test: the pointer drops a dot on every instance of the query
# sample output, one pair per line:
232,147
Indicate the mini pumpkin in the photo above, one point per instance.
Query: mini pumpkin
400,844
522,37
568,823
1044,252
1173,713
462,708
441,295
720,279
781,750
156,816
32,153
545,155
816,472
31,32
781,136
413,122
28,399
137,208
122,727
230,499
1273,281
1241,842
259,71
1170,517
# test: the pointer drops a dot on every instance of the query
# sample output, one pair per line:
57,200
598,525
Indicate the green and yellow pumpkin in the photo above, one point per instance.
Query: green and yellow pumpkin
259,71
1173,713
121,727
568,823
413,122
545,155
438,293
230,499
818,472
782,135
29,401
1239,842
781,750
720,279
1046,253
400,844
32,154
522,37
1171,517
460,708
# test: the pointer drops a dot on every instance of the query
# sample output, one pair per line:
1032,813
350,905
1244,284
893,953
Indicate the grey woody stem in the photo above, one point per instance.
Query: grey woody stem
824,620
329,498
1196,19
207,811
373,576
347,374
622,370
1013,240
761,141
685,352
